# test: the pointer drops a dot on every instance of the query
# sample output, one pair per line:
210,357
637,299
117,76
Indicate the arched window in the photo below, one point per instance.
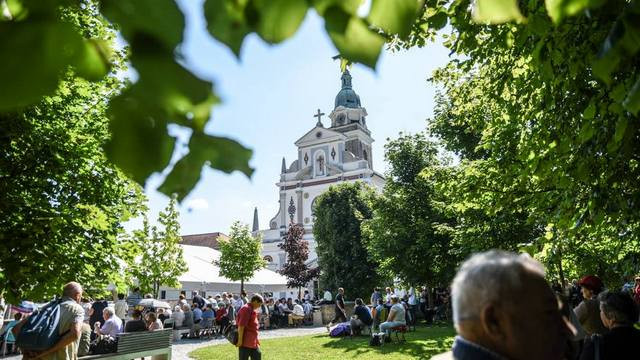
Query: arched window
365,155
268,259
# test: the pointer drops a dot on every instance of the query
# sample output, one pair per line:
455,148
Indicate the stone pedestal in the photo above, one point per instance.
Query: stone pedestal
328,311
317,318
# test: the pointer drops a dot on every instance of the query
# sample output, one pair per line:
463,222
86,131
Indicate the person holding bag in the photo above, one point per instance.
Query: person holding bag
248,324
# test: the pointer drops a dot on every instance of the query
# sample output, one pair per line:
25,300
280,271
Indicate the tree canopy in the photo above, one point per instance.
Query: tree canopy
160,261
62,202
342,255
296,249
409,234
543,112
240,254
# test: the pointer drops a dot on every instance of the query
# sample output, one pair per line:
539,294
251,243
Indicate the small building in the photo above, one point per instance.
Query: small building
203,277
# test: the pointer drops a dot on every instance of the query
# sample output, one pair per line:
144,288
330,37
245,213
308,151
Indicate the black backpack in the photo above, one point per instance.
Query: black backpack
375,340
41,330
103,345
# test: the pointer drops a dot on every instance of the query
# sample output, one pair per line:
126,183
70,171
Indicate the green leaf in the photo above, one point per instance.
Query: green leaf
438,20
609,56
559,9
186,99
348,6
632,101
34,54
621,128
160,19
219,153
351,36
92,62
226,22
139,143
279,19
394,16
496,11
590,111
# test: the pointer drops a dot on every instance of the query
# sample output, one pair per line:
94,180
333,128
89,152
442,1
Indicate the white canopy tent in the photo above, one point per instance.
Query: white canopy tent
203,276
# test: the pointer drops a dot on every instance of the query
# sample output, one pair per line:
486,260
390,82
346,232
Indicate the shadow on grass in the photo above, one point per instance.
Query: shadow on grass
423,343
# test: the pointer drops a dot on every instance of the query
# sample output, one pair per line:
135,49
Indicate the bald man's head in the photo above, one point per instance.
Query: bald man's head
72,290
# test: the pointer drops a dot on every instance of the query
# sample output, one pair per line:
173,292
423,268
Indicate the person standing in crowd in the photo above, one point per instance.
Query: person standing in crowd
96,314
503,308
198,300
588,311
424,306
247,322
412,301
397,317
306,296
121,307
133,299
361,317
243,297
86,306
112,324
182,301
375,295
70,326
341,314
387,297
153,323
619,313
136,323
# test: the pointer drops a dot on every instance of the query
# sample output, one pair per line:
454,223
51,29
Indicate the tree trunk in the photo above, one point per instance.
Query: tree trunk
299,292
241,286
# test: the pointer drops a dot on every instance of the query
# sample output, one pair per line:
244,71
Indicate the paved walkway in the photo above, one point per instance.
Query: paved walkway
183,347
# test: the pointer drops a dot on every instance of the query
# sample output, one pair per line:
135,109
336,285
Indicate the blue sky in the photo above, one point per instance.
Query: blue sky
269,98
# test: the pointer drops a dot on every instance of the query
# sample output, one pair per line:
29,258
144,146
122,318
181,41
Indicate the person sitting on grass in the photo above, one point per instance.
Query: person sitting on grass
361,318
396,317
503,308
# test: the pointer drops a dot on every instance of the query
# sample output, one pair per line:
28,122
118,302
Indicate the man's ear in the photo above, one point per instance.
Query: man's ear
492,322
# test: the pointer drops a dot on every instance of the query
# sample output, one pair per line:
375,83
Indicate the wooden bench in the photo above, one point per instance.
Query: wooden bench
139,344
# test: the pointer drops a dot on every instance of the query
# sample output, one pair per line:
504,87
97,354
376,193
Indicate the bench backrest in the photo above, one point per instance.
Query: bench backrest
144,340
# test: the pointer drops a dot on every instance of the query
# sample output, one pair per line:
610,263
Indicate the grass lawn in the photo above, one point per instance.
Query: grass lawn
421,344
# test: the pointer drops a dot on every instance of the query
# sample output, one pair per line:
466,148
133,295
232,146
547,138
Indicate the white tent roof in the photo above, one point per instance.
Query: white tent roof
201,270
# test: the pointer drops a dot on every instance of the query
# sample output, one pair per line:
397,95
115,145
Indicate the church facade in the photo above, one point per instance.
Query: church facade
327,155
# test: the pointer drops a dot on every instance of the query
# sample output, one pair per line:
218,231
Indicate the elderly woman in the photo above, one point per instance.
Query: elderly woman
618,313
153,322
588,311
178,316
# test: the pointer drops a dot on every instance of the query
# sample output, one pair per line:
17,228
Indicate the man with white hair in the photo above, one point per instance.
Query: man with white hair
112,324
503,308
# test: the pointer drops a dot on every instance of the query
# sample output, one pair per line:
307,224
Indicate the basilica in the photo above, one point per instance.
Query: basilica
327,155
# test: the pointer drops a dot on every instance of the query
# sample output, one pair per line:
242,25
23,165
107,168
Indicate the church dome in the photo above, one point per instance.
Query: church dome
347,97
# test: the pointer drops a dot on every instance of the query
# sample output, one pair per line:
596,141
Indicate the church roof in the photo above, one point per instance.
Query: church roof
319,135
347,97
209,240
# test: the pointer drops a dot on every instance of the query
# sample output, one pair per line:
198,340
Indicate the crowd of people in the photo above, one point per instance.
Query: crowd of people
500,303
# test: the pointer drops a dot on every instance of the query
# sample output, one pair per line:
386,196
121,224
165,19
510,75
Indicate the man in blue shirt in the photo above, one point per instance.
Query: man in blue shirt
361,317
